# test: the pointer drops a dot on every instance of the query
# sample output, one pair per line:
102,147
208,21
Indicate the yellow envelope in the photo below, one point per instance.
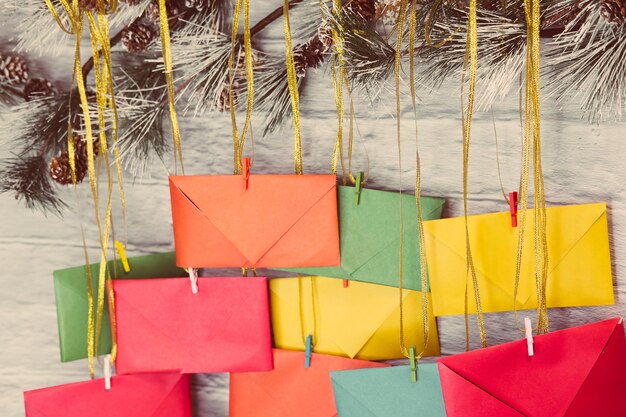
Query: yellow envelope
361,321
578,251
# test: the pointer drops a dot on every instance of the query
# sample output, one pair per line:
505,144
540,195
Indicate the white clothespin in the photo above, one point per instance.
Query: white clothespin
529,336
193,276
107,372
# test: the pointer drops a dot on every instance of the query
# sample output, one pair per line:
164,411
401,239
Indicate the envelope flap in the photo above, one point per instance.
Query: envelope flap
372,225
390,391
129,396
256,218
562,361
344,316
465,399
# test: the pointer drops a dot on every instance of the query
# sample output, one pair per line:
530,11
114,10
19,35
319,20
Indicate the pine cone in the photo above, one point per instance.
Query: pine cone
131,2
38,88
137,37
222,101
153,12
309,55
199,5
614,11
91,5
60,169
388,10
364,8
13,69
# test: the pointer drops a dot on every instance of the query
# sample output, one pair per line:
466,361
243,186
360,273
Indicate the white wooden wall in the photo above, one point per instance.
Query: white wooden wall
583,163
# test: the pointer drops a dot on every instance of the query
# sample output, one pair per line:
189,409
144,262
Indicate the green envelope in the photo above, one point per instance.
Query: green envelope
70,287
384,392
370,237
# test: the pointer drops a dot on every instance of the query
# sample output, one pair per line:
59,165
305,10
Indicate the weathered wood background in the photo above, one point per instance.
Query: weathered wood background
583,163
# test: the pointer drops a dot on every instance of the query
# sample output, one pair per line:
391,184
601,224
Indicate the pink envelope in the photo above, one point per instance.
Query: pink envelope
577,372
162,325
144,395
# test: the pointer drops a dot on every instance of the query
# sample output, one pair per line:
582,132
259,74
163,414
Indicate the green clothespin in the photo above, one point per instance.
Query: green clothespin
358,187
413,360
309,351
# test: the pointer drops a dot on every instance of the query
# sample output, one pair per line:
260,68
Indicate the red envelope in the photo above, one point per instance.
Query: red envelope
162,325
290,390
578,372
144,395
278,221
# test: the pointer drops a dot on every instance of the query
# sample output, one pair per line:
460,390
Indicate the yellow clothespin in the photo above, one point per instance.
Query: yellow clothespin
120,250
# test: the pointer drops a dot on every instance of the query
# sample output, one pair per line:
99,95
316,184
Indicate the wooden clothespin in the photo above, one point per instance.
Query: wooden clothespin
513,207
529,336
245,172
358,187
193,277
122,253
308,351
413,360
107,372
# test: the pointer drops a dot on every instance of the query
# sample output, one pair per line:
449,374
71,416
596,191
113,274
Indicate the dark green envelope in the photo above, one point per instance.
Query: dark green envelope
70,287
370,237
383,392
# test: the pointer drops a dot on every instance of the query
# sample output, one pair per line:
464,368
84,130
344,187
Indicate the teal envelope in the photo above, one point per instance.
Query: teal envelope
70,288
369,233
384,392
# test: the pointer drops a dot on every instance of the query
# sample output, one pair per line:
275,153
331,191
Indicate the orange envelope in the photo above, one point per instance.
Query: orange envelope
276,221
290,390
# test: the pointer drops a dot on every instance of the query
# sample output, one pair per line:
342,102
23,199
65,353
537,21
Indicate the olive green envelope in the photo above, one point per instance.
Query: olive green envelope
70,287
369,234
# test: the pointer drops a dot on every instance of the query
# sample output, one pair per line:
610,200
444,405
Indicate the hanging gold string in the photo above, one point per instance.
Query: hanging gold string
532,128
167,61
397,69
338,73
293,91
471,57
239,142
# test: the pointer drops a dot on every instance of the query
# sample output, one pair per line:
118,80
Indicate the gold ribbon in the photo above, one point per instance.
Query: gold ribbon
171,93
100,42
239,142
293,90
338,73
532,129
471,56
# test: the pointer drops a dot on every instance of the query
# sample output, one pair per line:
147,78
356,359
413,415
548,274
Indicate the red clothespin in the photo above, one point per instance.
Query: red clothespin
345,283
245,172
513,207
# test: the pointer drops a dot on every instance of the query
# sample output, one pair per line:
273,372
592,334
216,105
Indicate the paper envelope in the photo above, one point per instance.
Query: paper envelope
579,260
360,321
162,325
578,372
290,390
370,237
142,395
70,290
278,221
389,392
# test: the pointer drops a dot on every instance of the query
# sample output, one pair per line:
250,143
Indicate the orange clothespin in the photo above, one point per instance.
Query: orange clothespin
513,207
345,283
245,172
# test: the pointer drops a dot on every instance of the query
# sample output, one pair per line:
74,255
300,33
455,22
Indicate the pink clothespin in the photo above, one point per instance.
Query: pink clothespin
513,207
245,172
107,372
529,336
193,277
